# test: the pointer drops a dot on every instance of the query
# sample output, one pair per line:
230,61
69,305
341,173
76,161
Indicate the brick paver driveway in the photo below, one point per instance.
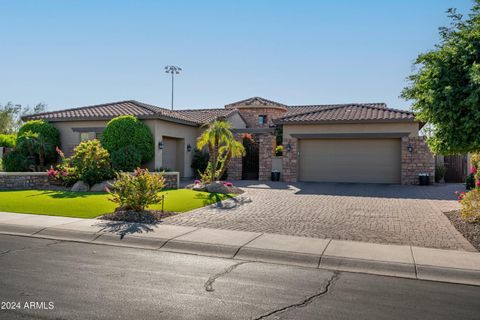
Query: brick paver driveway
363,212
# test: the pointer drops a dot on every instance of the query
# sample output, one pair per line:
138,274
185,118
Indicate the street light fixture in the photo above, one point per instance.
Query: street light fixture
173,70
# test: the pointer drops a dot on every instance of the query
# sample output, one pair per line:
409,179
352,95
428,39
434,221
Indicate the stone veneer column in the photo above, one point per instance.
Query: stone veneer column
290,160
420,160
266,143
235,166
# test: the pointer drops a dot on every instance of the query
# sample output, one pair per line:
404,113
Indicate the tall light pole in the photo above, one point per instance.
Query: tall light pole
173,70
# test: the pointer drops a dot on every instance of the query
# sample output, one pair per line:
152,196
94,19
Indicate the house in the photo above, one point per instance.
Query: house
358,142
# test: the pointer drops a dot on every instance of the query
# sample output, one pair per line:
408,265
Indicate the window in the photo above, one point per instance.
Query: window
262,119
85,136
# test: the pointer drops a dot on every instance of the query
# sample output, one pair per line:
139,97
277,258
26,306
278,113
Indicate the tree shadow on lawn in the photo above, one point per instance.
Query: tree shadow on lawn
65,194
214,200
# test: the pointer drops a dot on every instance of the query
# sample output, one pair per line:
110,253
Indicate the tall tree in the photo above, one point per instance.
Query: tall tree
445,88
10,115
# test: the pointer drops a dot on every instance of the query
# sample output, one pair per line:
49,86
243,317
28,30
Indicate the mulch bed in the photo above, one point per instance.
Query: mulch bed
147,216
471,231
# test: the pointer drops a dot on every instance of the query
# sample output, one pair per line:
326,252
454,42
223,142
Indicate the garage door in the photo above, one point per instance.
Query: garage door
350,160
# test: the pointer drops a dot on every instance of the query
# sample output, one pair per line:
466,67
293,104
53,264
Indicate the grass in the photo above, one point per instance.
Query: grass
92,204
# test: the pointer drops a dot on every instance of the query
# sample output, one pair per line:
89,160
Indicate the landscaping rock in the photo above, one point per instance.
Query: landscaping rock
80,186
100,187
217,187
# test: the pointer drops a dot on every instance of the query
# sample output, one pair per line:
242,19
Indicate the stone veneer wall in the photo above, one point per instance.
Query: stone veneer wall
265,154
290,159
27,180
235,166
40,180
172,180
420,160
250,115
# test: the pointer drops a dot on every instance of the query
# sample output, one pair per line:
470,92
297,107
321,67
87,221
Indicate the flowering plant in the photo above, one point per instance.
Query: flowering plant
64,173
470,202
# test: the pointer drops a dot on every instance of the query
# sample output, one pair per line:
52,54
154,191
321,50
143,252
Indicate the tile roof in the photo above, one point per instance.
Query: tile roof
111,110
197,117
207,115
315,107
345,113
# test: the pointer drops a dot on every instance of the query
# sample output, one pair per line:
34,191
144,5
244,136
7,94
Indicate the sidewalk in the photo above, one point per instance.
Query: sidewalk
389,260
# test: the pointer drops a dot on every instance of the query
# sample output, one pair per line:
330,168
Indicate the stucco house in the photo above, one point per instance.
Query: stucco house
357,142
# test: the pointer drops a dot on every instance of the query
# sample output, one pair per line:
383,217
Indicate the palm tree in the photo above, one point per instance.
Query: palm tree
233,149
221,145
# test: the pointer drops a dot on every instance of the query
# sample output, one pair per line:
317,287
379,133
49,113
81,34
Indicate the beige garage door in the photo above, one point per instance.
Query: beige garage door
350,160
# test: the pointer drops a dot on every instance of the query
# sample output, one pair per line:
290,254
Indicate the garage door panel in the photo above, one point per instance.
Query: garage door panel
350,160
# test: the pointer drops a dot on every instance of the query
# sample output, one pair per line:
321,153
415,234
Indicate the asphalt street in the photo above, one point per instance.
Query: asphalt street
46,279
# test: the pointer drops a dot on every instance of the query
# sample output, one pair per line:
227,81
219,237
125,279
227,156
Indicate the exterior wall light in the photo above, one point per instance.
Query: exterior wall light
160,145
189,147
410,148
289,147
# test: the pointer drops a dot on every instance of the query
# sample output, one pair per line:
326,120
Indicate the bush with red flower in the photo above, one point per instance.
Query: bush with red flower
63,172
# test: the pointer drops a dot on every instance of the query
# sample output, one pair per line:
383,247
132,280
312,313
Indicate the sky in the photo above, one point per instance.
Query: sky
69,53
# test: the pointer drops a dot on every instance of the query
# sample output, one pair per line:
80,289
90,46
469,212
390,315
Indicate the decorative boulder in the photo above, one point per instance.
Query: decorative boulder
217,187
100,187
80,186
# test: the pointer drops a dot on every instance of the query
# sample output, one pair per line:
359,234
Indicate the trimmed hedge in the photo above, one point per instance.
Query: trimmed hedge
128,130
126,159
49,133
7,140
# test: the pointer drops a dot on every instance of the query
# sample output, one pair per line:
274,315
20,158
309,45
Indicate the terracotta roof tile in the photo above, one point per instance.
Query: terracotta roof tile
207,115
346,113
111,110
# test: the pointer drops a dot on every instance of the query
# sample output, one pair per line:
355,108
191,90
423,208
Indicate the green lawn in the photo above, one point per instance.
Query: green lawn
92,204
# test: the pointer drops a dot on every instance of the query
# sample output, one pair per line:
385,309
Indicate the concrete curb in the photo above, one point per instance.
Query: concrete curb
381,259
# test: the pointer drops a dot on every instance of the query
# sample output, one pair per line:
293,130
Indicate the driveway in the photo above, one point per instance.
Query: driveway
410,215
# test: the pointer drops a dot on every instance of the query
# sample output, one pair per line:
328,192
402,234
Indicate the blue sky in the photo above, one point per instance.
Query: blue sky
75,53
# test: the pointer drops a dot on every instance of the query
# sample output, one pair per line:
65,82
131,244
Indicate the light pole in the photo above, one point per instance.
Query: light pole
173,70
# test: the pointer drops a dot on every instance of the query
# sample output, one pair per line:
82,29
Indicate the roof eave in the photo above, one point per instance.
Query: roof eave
296,122
146,117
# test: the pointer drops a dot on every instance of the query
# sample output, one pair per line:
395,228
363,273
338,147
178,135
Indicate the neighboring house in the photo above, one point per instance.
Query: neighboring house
364,142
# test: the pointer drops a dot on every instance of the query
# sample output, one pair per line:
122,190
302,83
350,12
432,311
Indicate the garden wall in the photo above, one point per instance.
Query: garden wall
27,180
40,180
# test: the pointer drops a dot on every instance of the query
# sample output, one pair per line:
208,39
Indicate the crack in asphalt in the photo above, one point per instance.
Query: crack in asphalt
209,284
306,301
27,248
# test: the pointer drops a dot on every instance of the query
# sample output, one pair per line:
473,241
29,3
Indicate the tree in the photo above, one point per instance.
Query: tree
445,89
222,147
10,115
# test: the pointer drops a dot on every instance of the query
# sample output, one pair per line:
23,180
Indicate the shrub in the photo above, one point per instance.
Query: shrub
15,161
470,202
279,151
470,181
126,158
199,162
440,173
47,132
137,191
64,172
7,140
128,130
92,162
